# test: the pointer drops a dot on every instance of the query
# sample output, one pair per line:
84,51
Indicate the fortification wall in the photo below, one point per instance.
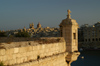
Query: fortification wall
54,60
34,54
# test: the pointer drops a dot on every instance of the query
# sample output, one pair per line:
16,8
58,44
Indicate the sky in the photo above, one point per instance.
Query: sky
15,14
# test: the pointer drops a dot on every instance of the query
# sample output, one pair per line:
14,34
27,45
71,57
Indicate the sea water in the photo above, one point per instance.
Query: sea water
88,58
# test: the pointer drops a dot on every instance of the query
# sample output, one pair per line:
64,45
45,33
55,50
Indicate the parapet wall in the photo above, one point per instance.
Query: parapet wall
34,54
54,60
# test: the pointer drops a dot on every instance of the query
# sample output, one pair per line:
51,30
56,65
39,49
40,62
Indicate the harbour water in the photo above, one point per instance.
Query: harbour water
90,58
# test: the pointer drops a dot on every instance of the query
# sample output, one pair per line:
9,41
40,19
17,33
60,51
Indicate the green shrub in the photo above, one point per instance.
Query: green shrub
22,34
3,34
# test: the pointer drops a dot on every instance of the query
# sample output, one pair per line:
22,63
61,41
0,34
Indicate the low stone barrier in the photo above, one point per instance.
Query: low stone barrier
32,52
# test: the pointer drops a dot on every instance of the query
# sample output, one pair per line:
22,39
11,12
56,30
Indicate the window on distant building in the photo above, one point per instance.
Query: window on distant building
86,40
92,39
96,39
89,39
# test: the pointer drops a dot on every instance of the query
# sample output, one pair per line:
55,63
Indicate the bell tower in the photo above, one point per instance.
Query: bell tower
69,30
31,26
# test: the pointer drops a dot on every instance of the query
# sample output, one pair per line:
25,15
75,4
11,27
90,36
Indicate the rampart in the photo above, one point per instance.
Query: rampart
33,52
54,51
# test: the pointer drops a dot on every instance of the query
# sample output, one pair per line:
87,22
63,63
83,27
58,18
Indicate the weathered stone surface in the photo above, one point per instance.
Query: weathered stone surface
19,55
2,52
16,50
69,30
9,51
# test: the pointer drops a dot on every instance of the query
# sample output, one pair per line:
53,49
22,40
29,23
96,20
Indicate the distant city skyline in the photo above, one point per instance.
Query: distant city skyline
15,14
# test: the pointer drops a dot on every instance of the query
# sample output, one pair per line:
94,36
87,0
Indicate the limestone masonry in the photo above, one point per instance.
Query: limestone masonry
33,54
89,36
45,51
69,30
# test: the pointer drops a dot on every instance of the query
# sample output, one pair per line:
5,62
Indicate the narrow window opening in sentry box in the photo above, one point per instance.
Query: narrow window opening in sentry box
74,35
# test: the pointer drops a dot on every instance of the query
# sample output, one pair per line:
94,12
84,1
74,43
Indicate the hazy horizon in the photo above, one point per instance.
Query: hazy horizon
20,13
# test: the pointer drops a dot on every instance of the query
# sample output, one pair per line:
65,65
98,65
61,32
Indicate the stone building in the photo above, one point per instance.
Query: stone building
69,30
24,29
31,26
39,25
90,34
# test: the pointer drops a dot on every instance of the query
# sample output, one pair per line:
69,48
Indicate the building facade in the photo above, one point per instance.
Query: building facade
89,34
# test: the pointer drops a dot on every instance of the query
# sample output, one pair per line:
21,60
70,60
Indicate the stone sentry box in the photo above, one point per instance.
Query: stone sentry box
69,30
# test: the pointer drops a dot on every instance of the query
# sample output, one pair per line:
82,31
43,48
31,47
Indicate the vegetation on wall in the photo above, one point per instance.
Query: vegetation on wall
22,34
1,64
47,40
3,34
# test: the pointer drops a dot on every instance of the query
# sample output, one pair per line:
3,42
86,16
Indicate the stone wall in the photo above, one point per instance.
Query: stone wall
55,60
52,54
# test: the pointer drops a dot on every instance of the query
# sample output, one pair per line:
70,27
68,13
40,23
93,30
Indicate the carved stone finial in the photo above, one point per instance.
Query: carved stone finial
68,12
68,16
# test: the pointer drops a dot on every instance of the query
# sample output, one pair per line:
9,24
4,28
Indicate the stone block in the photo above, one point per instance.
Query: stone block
9,56
29,48
30,63
41,55
26,64
6,62
41,51
9,51
22,49
47,50
34,63
29,58
18,55
12,61
14,56
34,48
35,53
24,54
29,53
25,59
16,50
43,46
22,59
18,60
0,58
39,47
34,57
4,58
2,52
